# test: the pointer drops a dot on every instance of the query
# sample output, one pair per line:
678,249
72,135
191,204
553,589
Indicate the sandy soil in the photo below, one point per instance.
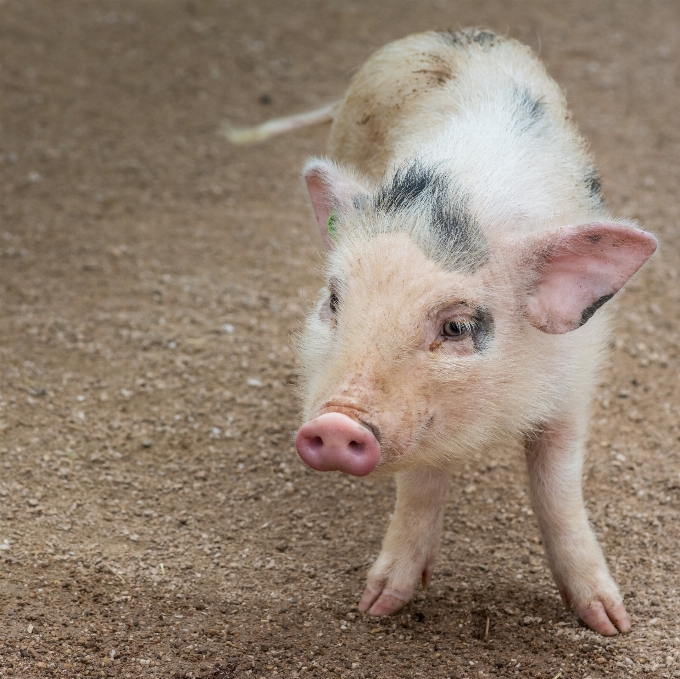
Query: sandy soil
154,518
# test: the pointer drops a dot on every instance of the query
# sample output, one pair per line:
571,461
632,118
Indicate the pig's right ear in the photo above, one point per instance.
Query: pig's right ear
331,191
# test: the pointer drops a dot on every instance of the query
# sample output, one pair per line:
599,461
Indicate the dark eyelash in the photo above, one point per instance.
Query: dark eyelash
465,328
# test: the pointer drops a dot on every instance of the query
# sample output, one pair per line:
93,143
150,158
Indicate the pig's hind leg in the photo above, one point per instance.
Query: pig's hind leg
555,461
411,543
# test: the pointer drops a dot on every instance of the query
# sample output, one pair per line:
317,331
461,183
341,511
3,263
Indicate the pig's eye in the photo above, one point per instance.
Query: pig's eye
458,329
334,302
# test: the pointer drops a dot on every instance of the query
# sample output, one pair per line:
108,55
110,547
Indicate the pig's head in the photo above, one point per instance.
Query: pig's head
420,346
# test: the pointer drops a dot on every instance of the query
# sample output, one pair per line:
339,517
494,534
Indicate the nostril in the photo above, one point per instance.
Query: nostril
355,446
316,443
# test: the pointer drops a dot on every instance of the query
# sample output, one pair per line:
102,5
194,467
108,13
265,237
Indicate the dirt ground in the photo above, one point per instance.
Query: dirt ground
154,517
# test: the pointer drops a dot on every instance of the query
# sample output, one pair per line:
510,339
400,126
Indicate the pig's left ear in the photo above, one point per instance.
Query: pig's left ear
578,269
331,191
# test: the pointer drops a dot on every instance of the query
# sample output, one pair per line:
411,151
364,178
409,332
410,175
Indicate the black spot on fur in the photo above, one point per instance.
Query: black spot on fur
334,302
484,38
470,36
593,185
590,311
531,110
481,338
409,184
415,186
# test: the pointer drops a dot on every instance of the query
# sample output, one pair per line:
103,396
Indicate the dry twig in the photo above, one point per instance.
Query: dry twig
118,575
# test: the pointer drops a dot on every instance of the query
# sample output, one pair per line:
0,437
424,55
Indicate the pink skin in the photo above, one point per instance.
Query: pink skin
378,600
335,442
606,617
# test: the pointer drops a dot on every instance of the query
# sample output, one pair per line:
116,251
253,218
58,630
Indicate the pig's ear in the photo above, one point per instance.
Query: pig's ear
331,191
578,269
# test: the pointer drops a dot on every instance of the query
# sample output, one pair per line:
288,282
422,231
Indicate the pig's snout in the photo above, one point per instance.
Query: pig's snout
335,442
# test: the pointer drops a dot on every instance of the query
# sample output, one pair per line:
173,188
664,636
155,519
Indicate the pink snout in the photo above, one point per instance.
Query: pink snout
335,442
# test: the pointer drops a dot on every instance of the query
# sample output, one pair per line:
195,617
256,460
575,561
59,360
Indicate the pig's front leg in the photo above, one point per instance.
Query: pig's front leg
555,461
411,543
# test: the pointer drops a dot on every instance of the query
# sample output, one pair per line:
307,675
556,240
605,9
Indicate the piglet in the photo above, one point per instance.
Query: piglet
471,265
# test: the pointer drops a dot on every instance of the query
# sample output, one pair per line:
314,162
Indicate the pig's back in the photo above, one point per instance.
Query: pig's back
480,106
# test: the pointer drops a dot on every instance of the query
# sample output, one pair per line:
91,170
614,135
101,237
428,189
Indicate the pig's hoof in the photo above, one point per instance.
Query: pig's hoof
606,617
382,602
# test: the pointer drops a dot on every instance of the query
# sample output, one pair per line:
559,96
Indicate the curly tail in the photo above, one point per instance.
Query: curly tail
257,133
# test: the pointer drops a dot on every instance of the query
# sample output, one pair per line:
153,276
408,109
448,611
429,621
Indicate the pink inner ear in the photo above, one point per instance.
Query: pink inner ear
322,200
329,189
580,269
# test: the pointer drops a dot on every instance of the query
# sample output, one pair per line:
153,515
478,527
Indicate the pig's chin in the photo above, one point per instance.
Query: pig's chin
335,442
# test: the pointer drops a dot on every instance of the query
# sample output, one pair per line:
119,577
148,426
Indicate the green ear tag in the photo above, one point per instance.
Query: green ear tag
330,224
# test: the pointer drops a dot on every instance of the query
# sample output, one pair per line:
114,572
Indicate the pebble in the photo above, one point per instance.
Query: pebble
254,382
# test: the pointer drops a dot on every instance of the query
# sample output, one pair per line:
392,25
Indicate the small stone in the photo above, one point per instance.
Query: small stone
147,443
228,328
254,382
